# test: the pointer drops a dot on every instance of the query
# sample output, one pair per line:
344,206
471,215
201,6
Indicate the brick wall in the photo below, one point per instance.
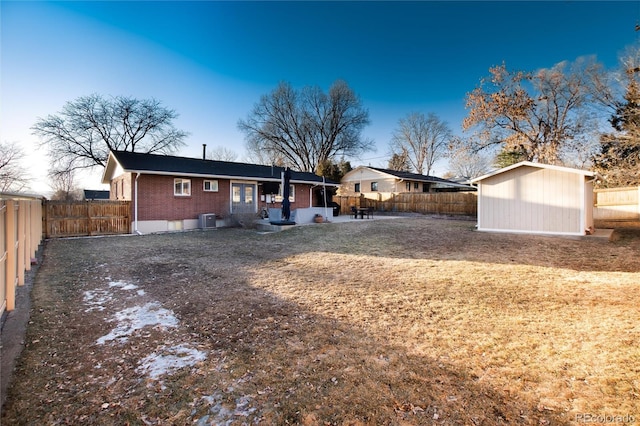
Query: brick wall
156,200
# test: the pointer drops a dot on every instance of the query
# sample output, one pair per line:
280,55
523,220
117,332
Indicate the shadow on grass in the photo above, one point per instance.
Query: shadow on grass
271,361
440,239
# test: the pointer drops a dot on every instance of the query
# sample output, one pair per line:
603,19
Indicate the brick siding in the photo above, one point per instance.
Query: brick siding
156,200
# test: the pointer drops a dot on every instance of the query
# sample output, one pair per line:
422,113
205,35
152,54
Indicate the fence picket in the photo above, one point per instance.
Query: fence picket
86,218
20,236
446,203
617,204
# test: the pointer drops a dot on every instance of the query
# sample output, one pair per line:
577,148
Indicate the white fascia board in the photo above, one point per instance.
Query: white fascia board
536,165
238,178
112,165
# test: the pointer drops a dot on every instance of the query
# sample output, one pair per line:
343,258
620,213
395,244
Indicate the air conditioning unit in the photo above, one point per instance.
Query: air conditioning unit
207,220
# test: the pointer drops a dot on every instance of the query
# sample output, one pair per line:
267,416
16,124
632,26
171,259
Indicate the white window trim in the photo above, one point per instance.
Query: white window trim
182,185
292,193
212,183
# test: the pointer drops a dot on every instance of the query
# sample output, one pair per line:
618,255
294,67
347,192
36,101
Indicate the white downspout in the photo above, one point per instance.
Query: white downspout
135,209
324,192
311,195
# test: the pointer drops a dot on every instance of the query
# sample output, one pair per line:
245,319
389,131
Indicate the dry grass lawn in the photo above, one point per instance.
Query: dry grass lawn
409,321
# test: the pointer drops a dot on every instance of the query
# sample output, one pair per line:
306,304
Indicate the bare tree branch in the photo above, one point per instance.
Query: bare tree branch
422,140
83,133
12,172
305,129
538,114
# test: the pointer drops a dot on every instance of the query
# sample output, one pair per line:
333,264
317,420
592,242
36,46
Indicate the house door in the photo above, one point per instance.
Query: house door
243,198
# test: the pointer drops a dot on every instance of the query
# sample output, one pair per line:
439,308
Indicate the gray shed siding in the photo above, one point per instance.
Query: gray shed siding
535,200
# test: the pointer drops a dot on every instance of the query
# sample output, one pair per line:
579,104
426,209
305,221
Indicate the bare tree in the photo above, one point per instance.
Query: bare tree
308,127
266,157
399,162
82,134
12,172
421,139
542,115
222,153
465,161
64,187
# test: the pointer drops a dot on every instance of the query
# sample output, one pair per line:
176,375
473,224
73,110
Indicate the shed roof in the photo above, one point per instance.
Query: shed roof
135,162
537,165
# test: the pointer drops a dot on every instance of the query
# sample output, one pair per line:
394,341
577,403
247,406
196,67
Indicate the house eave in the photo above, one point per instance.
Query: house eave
219,176
585,173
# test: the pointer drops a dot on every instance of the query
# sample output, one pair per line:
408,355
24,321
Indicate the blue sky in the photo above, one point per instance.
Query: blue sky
211,61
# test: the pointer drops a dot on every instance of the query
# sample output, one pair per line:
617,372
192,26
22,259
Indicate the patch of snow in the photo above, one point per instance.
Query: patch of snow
223,415
96,299
135,318
169,359
123,285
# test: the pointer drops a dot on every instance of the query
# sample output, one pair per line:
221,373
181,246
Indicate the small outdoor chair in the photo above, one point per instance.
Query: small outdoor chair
354,212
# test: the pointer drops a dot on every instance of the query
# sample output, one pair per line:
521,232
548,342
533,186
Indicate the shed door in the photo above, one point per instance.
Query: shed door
243,198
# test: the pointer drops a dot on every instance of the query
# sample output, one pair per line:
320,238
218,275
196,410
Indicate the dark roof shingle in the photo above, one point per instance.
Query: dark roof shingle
416,176
168,164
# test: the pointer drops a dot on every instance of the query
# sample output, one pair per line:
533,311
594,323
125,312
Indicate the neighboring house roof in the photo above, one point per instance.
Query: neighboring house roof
415,177
537,165
91,194
135,162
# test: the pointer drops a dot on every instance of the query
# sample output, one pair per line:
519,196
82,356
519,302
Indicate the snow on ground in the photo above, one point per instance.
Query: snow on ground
221,415
136,318
96,299
167,359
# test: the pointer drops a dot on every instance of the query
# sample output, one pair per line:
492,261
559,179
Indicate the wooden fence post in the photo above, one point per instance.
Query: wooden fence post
22,222
89,222
10,244
27,234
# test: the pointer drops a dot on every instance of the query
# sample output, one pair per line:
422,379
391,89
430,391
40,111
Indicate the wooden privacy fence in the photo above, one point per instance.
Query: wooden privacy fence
86,218
617,204
445,203
20,236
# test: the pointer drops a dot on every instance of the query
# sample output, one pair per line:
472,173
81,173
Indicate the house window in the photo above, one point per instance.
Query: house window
374,186
425,187
356,187
292,194
416,185
182,187
210,186
408,186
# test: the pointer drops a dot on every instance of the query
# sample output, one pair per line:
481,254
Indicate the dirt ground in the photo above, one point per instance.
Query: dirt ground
407,321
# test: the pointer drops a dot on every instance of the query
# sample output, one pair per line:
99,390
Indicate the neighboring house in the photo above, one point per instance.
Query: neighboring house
91,194
374,182
536,198
171,193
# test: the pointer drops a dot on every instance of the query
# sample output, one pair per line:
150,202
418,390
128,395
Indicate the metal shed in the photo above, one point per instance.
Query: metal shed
536,198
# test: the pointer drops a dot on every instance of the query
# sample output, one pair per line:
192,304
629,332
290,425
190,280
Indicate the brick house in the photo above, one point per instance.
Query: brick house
173,193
